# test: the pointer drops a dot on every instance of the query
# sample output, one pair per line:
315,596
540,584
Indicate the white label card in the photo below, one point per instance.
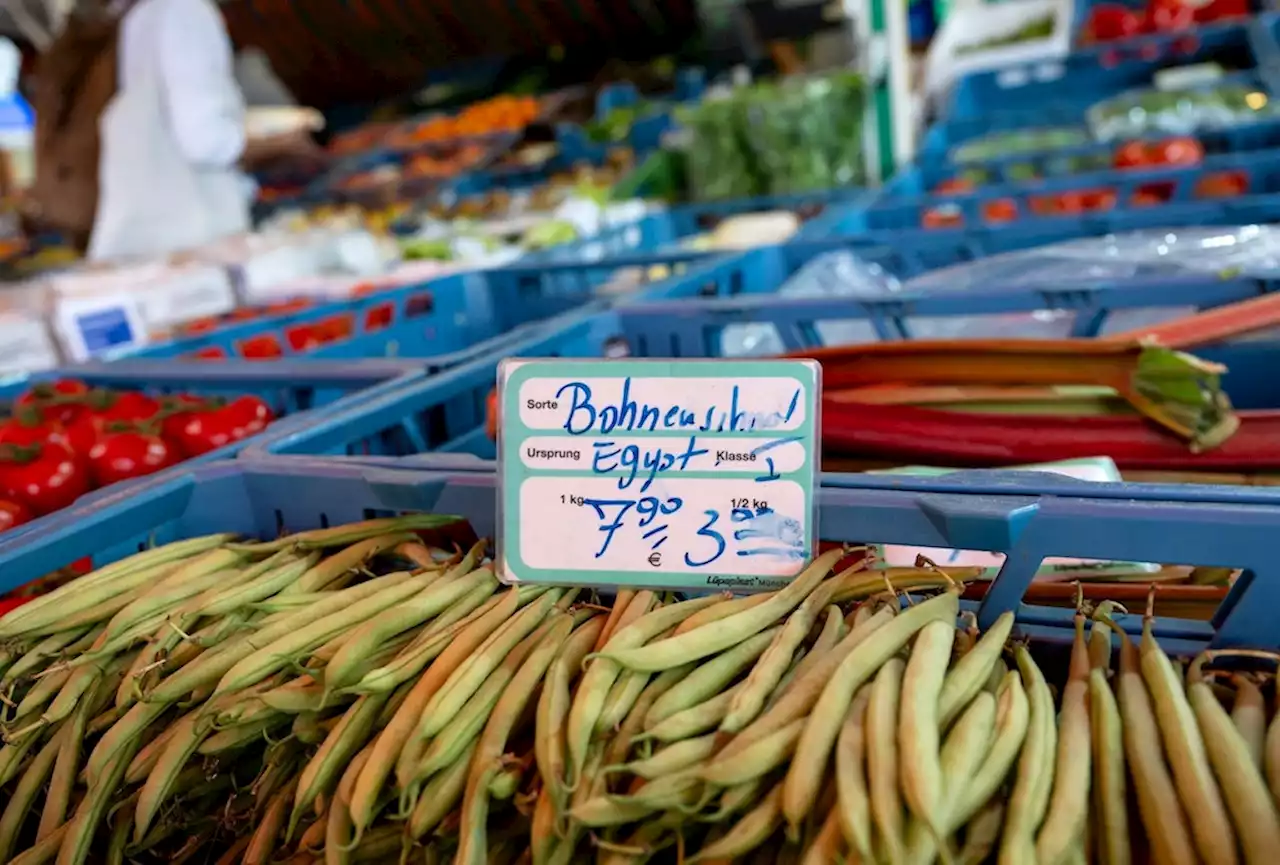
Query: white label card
661,473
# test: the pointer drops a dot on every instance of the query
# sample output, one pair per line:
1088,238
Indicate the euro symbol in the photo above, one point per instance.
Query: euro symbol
655,559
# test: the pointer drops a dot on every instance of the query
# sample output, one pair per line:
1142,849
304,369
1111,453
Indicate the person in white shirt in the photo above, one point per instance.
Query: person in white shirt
174,144
259,82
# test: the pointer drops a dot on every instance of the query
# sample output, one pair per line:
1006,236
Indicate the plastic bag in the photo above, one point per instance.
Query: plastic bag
1183,111
1252,250
832,274
998,145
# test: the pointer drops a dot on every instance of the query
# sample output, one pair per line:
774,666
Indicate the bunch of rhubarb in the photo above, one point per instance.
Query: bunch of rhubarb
1006,402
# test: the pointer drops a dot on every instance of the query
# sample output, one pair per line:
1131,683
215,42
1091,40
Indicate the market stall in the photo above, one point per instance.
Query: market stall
620,471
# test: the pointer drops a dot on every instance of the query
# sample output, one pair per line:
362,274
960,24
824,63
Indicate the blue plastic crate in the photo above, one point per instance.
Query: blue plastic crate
1090,74
444,320
944,136
1266,37
933,168
688,316
1185,192
1033,95
1028,517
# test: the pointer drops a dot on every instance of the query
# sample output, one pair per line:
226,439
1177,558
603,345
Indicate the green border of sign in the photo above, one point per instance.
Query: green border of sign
513,431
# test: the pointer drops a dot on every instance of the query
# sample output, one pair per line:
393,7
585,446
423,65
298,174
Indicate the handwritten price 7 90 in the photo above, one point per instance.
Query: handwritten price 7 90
769,533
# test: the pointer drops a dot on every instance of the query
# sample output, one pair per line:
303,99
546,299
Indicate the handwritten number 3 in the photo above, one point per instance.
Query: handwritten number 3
707,532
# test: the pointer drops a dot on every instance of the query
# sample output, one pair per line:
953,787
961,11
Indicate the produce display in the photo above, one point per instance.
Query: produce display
997,145
1210,185
777,138
362,694
63,439
450,229
1111,22
501,114
504,113
1139,153
1180,111
414,176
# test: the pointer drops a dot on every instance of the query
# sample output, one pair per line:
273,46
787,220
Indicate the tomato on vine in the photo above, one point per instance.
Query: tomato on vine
46,477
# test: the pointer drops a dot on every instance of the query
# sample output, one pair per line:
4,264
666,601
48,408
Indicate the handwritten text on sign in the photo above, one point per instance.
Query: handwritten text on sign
658,473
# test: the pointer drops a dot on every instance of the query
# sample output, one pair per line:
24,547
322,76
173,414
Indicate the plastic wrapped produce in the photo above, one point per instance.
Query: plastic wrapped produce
1181,111
1251,250
997,145
832,274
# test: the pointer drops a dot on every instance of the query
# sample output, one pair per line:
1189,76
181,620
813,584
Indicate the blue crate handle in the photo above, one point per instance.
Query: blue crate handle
249,373
1026,516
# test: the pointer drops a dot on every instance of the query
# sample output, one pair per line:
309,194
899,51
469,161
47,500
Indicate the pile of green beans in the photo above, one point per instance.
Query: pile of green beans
358,694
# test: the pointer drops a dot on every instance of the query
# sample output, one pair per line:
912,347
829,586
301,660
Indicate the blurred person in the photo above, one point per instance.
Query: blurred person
141,145
258,80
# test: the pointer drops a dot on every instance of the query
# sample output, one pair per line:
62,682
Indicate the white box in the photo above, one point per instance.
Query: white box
972,23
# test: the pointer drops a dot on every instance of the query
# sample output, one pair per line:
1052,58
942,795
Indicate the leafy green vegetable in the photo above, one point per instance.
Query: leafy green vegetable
777,137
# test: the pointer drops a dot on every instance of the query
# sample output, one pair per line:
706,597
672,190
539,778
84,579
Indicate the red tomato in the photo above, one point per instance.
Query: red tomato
207,431
1133,154
943,216
1180,151
953,185
13,514
181,412
1146,198
1000,210
127,407
27,430
1167,15
261,347
1045,205
491,415
83,433
249,414
121,456
1222,184
1099,199
1072,202
58,400
46,477
1111,21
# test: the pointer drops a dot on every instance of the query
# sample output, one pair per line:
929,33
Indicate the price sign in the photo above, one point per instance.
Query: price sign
658,473
99,326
